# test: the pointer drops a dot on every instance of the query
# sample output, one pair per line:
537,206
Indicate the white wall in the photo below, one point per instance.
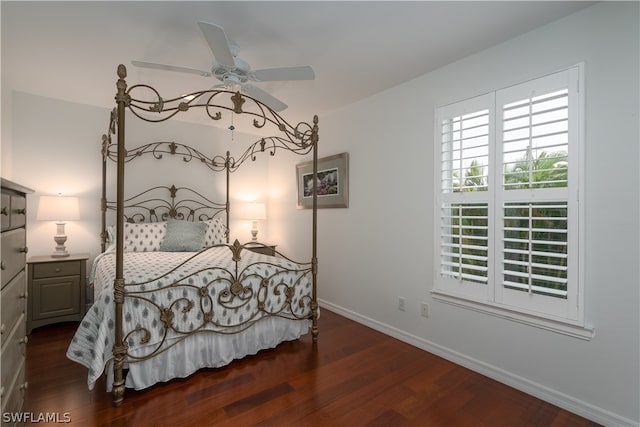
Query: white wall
381,247
56,149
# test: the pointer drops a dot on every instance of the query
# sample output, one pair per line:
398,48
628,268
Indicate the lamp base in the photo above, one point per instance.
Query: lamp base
60,254
254,231
60,238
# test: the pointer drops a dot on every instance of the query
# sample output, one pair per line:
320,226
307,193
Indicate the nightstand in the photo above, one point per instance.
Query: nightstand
56,289
261,248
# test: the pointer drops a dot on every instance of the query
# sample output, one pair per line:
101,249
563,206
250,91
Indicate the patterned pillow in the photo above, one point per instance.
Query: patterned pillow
216,233
144,237
183,236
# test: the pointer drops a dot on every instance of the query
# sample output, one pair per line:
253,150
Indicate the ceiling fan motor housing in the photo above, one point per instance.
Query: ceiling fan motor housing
237,75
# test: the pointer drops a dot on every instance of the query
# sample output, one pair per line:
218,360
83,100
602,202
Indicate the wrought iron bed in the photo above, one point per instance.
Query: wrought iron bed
242,289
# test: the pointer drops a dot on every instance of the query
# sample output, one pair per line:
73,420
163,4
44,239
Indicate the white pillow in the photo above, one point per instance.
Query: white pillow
216,232
144,237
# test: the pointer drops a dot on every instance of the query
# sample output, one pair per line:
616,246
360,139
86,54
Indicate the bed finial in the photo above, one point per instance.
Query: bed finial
122,71
237,100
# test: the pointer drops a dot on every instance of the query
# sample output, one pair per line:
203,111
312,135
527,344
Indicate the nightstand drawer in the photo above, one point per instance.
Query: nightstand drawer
56,269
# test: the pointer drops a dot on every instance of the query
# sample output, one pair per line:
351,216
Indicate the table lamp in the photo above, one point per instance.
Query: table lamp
59,209
253,212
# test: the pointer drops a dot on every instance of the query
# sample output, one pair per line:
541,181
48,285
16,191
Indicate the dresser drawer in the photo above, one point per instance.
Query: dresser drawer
18,212
13,393
13,351
6,211
14,302
56,269
14,248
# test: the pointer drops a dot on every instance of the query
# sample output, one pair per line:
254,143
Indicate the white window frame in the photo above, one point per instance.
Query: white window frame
567,317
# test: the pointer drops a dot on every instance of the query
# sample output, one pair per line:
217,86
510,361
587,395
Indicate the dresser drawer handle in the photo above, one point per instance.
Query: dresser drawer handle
3,266
23,340
24,250
24,295
22,211
58,270
24,386
4,211
2,328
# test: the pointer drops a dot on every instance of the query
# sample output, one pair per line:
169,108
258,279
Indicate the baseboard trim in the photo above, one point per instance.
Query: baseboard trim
554,397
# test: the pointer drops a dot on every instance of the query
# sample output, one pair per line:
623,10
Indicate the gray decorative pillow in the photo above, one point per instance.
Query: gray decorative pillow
183,236
143,237
216,233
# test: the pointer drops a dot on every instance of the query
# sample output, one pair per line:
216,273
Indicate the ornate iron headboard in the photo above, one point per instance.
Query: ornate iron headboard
162,202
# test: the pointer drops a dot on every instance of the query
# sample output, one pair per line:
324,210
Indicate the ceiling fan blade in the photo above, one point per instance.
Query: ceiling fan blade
218,43
171,68
262,96
284,74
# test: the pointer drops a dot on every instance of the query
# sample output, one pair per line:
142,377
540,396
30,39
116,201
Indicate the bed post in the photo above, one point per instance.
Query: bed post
119,347
314,258
103,199
227,166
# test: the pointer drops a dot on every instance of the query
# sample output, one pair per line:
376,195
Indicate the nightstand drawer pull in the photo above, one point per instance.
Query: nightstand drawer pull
24,250
24,295
23,340
4,211
22,211
58,270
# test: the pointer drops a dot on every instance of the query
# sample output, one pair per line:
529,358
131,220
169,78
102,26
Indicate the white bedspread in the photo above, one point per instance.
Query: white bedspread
202,294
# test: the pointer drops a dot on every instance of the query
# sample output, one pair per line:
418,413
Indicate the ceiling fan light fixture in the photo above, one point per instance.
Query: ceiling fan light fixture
232,82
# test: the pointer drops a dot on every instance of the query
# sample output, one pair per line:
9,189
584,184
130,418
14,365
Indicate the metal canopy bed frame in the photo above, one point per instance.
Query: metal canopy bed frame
187,204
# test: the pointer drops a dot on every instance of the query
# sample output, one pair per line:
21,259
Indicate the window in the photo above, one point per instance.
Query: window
508,210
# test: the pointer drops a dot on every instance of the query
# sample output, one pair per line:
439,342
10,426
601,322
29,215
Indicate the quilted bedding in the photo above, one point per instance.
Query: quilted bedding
171,294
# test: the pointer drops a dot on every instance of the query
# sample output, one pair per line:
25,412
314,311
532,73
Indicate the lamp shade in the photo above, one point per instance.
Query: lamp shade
58,208
253,211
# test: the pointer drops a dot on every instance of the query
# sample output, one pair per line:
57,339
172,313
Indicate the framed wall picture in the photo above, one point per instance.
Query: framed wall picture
333,182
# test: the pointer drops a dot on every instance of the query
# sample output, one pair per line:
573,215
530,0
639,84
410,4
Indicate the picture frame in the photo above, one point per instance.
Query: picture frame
333,175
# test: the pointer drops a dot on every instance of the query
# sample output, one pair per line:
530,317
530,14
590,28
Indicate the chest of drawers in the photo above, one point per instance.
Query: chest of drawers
13,298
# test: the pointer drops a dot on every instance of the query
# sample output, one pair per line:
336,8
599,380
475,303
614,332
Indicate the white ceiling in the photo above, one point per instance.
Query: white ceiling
70,50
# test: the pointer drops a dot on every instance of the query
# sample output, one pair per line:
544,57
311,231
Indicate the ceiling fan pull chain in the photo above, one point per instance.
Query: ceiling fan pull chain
232,127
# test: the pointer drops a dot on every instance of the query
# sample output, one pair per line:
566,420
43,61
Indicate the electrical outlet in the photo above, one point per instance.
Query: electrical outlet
401,303
424,309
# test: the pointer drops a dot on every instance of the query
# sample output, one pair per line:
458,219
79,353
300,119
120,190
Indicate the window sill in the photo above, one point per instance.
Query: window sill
564,328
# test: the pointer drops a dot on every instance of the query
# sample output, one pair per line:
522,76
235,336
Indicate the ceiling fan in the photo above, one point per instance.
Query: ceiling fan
234,72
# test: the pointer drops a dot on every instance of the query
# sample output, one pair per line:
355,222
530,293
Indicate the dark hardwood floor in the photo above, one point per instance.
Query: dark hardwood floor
354,376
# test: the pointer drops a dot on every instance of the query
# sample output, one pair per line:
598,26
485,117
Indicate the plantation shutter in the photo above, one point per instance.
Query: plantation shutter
534,146
507,206
464,134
